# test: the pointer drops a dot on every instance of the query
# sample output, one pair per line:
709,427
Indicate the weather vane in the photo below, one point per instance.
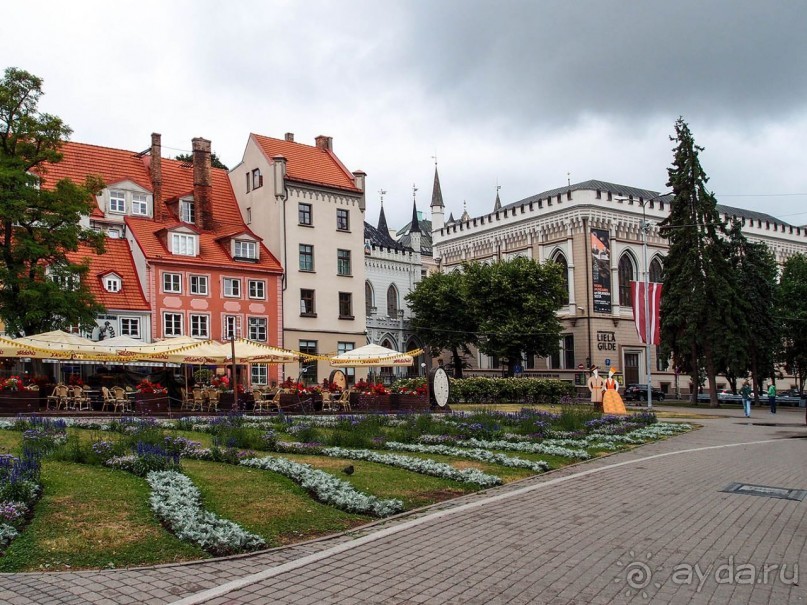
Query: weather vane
434,157
382,192
414,191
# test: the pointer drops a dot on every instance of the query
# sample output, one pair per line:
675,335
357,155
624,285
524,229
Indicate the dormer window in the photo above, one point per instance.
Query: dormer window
187,211
117,201
112,283
140,206
245,249
183,243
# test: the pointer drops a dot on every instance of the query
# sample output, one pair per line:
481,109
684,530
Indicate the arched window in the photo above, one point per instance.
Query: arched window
559,258
626,275
392,301
655,271
369,299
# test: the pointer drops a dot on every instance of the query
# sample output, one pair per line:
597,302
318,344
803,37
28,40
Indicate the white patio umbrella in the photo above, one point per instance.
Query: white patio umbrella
372,355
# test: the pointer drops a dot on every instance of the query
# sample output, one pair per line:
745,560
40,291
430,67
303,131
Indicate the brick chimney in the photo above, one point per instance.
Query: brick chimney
202,189
324,142
156,169
290,137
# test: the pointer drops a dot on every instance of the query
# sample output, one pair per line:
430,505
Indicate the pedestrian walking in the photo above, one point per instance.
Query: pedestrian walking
772,397
745,393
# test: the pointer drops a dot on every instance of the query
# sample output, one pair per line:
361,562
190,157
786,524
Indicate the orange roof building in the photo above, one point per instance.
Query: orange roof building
309,209
179,258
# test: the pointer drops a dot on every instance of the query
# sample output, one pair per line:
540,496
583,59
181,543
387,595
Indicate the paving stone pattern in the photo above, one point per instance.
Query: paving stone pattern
564,542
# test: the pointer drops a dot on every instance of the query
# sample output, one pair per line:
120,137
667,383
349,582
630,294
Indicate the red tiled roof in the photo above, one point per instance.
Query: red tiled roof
112,165
307,163
115,259
211,251
115,165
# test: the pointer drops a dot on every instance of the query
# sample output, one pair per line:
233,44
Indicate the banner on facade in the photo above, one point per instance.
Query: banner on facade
601,269
637,296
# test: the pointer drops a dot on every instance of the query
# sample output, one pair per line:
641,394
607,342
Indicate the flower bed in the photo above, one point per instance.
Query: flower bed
177,503
326,488
474,454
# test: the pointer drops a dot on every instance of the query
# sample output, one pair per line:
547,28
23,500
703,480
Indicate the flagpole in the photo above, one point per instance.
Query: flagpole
645,228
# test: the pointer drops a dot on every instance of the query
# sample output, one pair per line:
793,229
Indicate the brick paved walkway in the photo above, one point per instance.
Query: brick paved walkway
572,536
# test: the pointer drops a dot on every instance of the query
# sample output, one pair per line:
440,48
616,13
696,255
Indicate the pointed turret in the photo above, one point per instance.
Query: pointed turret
465,216
451,220
414,228
382,220
497,205
437,207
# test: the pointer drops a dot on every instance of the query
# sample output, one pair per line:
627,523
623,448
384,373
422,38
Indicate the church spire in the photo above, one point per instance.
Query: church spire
415,226
497,205
437,193
382,220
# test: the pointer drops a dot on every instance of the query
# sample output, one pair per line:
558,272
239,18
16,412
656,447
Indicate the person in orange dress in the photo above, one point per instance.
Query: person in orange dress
611,400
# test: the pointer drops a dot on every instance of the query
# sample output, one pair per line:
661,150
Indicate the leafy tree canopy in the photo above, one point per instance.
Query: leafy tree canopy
515,305
40,221
442,317
215,162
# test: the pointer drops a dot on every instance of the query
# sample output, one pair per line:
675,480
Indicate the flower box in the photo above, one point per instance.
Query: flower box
151,403
22,401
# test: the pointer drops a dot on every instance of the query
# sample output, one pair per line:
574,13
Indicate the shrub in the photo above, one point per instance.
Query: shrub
503,390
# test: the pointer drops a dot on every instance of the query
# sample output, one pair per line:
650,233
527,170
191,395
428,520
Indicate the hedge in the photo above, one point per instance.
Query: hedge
510,390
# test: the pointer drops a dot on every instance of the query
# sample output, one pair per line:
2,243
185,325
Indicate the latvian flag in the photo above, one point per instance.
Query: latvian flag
653,308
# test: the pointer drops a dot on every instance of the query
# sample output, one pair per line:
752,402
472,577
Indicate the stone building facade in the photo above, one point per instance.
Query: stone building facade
594,229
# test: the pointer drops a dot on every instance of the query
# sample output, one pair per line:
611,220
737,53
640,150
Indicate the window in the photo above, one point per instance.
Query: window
307,303
117,201
113,233
308,369
392,301
183,243
232,287
344,347
257,328
245,249
140,204
199,285
172,324
112,283
306,257
655,271
626,275
65,279
563,358
662,363
249,216
561,260
130,326
260,374
232,327
200,326
345,305
257,178
187,211
368,299
343,262
249,180
304,214
257,289
342,219
172,282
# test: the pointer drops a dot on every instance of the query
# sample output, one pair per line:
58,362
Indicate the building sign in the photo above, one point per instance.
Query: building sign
606,341
601,269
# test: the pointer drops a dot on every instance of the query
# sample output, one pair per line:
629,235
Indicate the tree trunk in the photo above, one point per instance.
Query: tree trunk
711,376
694,376
455,355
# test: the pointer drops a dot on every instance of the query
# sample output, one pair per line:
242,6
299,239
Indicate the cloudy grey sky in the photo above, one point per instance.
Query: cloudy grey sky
521,94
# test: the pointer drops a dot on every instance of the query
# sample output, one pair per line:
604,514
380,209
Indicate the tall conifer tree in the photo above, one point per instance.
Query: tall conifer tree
698,282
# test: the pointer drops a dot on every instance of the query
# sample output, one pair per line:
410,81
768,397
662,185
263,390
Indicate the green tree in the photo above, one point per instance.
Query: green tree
215,162
699,287
792,313
754,310
515,304
442,317
41,288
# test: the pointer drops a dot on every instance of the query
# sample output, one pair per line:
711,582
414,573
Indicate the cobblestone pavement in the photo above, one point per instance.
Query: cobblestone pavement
648,525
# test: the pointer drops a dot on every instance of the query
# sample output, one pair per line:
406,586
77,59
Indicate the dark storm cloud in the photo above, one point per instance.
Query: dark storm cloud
555,62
